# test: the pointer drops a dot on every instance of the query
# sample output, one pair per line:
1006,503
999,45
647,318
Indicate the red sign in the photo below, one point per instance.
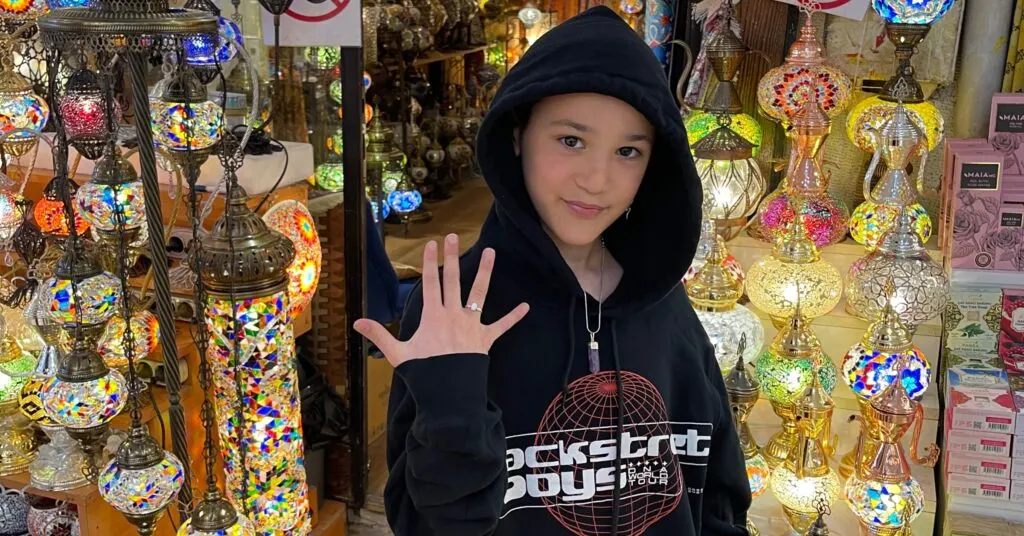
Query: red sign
316,12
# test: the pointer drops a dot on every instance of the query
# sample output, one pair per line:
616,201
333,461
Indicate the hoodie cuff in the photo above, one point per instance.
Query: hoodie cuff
447,384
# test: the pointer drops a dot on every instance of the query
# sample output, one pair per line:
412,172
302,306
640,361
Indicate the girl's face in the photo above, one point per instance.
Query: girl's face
584,156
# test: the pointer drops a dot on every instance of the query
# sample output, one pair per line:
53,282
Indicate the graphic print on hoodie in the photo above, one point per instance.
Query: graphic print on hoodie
526,441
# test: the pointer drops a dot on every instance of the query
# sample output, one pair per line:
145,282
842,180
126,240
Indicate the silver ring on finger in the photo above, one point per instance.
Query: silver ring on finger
475,307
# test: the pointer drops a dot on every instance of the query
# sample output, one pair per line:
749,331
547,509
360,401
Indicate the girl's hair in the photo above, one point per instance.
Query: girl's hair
521,115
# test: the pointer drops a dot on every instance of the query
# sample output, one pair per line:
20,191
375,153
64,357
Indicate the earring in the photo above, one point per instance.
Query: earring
628,210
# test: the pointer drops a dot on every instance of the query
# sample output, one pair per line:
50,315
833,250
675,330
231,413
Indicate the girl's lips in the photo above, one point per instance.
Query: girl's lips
583,210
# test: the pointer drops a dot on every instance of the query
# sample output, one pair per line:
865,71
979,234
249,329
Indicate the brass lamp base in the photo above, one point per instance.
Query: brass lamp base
752,529
848,463
17,440
146,525
784,441
799,521
867,529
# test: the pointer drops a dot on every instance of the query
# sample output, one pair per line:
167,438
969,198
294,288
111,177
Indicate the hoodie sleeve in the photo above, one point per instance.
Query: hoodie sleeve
727,490
446,444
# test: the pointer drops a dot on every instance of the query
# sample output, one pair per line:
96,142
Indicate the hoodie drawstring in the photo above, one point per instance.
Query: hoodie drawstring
616,492
572,349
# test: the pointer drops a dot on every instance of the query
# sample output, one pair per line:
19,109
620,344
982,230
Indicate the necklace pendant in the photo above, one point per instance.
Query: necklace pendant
594,357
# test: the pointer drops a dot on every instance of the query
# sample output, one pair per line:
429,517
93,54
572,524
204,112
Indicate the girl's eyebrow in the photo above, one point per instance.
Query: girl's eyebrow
580,127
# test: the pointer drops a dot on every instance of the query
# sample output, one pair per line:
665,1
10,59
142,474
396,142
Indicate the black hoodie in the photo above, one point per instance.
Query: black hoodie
523,441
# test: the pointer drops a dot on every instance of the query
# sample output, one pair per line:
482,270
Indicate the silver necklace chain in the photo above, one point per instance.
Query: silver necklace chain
593,354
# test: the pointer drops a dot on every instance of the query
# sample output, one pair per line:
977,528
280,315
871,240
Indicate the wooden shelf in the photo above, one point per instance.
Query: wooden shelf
434,57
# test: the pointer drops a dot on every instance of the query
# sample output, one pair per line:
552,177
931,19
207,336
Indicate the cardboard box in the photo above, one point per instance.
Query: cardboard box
1016,381
1017,491
971,324
1008,240
378,391
1016,468
960,442
980,409
950,148
975,204
1011,352
989,378
1006,129
975,464
978,486
1018,447
1018,402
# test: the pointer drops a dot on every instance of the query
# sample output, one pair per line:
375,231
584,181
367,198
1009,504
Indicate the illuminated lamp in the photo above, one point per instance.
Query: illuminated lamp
921,285
17,444
293,220
330,176
911,11
23,114
84,113
243,260
49,211
145,334
114,186
61,4
731,178
794,273
529,15
871,113
708,239
200,50
79,279
323,58
744,390
177,127
784,90
784,371
714,293
700,123
11,213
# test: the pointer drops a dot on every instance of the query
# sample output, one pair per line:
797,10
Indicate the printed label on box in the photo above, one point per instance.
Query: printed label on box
1011,351
994,466
976,210
980,176
971,324
969,442
976,486
1016,468
1010,117
1018,447
1017,491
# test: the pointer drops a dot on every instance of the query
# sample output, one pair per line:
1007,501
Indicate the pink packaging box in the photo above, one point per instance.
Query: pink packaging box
1018,401
960,442
1008,241
980,409
973,464
1006,129
950,147
1012,353
978,486
976,203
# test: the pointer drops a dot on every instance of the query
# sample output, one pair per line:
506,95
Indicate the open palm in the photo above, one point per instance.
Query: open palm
447,326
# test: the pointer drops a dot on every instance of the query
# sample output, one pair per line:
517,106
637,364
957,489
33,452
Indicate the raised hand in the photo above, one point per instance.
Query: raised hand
447,326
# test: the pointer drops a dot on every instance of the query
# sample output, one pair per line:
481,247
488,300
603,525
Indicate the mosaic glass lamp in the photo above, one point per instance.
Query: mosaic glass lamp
97,291
23,114
293,220
114,185
921,285
145,335
784,370
794,272
806,478
201,51
744,390
871,113
17,439
11,212
141,480
714,293
700,123
330,176
243,257
899,141
84,113
708,240
911,11
50,215
530,15
805,188
784,90
172,119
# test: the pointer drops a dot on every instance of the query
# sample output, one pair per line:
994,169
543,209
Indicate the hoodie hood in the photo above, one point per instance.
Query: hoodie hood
595,52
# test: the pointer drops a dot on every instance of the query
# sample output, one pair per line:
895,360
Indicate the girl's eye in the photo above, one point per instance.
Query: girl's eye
571,142
628,152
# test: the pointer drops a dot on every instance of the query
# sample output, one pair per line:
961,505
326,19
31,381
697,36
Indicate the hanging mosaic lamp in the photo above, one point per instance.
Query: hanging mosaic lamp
784,90
84,113
141,480
293,220
23,114
77,272
190,131
253,266
50,215
115,185
11,211
145,334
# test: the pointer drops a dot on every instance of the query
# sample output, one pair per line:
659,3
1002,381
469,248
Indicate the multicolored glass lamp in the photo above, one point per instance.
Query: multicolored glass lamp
882,493
17,439
293,220
78,279
11,211
744,390
145,336
84,113
23,114
725,53
871,365
785,90
114,186
907,22
714,293
794,273
784,371
177,127
242,259
50,215
921,285
806,478
899,141
141,479
805,187
205,55
709,238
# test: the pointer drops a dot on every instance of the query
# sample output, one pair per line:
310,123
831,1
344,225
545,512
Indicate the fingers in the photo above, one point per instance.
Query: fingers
478,293
431,279
452,287
380,337
505,323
